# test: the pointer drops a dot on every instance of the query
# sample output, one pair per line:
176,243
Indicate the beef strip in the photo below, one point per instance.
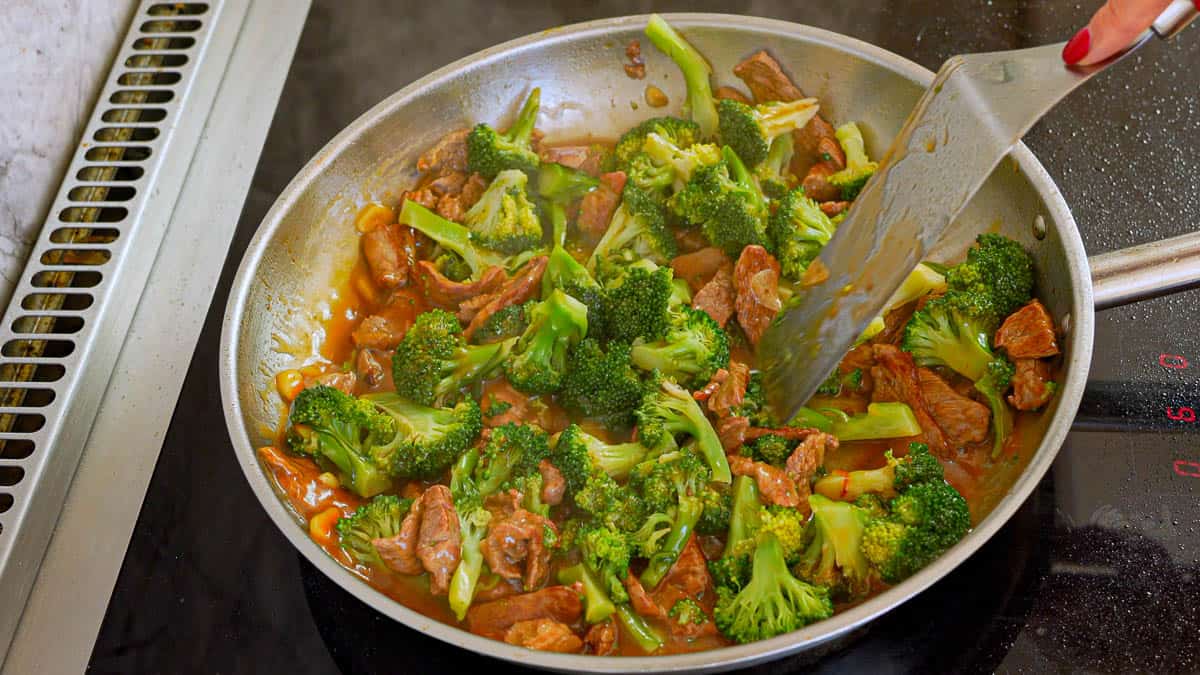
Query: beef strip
732,94
773,483
521,287
732,431
390,252
585,158
816,183
373,366
493,619
448,154
601,638
381,331
1028,333
1031,384
597,207
963,420
553,483
717,298
895,379
688,578
545,635
832,209
698,267
732,391
342,381
756,282
446,294
439,544
765,78
515,548
641,601
399,552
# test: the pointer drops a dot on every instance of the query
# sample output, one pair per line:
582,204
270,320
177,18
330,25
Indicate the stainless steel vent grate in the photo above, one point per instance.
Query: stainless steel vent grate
64,326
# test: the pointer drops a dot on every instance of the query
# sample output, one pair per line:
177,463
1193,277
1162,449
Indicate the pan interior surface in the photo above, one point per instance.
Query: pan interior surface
307,244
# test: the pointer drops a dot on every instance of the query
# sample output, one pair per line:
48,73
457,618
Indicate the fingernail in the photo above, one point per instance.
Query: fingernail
1078,47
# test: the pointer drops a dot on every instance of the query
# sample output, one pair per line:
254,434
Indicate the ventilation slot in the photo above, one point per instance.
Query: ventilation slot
15,448
47,325
131,115
114,173
136,96
181,26
125,134
35,349
178,9
31,372
101,193
63,302
155,44
156,61
85,235
93,214
76,256
24,398
11,475
6,502
148,79
57,279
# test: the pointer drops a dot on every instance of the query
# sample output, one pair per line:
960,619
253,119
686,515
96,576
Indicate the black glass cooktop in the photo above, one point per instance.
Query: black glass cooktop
1098,572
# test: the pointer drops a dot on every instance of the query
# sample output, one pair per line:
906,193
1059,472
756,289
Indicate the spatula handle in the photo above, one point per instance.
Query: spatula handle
1175,18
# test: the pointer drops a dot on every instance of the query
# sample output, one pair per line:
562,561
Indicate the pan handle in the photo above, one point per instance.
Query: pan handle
1146,271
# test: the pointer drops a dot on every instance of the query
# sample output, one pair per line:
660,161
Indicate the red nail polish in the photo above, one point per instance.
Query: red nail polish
1078,47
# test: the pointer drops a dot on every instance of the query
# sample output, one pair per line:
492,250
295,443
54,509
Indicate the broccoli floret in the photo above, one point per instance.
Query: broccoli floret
995,280
679,474
614,459
837,381
433,362
858,169
694,348
773,602
687,512
925,520
427,440
940,334
606,502
452,266
512,451
687,610
732,570
566,273
638,226
562,184
379,518
637,299
833,555
457,239
881,420
539,358
473,522
340,430
724,201
749,130
606,553
788,525
504,219
798,230
530,488
696,71
992,385
771,448
679,161
918,466
680,133
668,410
598,607
489,152
649,177
601,384
510,322
774,176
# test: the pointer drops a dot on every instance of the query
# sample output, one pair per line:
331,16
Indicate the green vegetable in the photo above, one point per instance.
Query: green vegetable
433,363
538,361
504,219
858,169
696,71
427,440
601,382
798,230
668,410
725,202
749,130
377,519
489,152
340,430
694,348
833,556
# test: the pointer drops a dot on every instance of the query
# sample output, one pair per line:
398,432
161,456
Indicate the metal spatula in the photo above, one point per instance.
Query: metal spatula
977,108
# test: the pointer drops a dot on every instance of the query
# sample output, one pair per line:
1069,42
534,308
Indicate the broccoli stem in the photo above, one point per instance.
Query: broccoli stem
746,516
1002,419
742,176
660,563
882,420
597,605
522,129
638,629
447,233
466,574
695,69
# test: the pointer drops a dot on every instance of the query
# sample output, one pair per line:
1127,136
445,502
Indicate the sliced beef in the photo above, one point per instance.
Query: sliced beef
894,323
689,240
521,287
446,294
424,196
688,579
597,207
756,282
732,94
399,552
895,379
502,588
816,183
861,358
585,158
553,483
448,184
601,638
380,331
344,382
732,431
963,420
641,601
732,391
439,544
802,464
636,67
717,298
493,619
448,154
765,78
1028,333
522,408
515,548
773,483
1031,384
299,478
832,209
815,143
545,635
698,267
373,367
390,253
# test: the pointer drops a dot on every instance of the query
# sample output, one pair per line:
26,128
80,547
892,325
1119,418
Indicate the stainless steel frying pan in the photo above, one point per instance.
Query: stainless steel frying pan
306,244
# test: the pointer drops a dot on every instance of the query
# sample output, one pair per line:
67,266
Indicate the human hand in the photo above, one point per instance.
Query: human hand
1112,28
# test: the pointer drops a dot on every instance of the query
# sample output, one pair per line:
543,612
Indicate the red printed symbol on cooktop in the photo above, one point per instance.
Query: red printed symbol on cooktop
1172,361
1181,414
1187,468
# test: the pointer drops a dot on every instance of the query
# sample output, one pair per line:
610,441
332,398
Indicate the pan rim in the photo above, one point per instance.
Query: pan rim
1077,365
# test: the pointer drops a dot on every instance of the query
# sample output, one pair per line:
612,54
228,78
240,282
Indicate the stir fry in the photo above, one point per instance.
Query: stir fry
538,416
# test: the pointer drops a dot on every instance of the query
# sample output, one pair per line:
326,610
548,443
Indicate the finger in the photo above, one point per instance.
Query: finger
1115,26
